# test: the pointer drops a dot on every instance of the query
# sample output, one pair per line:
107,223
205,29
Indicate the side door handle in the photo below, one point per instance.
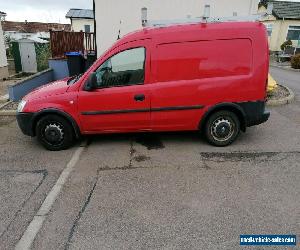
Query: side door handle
139,97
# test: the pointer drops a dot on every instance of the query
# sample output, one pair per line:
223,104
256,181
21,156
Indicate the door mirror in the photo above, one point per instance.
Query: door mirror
91,82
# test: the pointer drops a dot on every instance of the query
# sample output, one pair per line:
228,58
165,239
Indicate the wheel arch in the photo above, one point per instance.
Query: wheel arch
58,112
233,107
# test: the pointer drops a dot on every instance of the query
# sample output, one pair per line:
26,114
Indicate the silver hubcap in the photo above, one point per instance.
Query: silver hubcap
222,129
54,133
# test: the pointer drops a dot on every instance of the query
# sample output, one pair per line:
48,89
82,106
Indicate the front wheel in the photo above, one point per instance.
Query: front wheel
54,132
222,128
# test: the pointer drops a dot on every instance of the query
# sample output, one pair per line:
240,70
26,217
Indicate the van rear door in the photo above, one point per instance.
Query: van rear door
174,102
192,76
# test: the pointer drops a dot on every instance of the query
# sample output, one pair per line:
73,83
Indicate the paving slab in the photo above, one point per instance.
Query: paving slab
16,187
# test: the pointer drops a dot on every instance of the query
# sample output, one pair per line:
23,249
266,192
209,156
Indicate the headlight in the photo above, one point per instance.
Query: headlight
21,106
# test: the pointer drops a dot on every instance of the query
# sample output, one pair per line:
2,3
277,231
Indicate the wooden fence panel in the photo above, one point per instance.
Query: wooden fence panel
62,42
90,42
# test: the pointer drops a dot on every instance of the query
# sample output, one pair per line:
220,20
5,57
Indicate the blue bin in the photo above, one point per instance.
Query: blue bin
75,63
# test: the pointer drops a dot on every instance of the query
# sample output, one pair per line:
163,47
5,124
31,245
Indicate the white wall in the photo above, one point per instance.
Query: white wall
3,59
14,35
78,24
110,13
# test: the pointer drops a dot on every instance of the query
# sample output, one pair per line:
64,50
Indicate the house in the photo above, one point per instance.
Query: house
17,30
3,58
117,18
24,38
81,19
283,24
2,16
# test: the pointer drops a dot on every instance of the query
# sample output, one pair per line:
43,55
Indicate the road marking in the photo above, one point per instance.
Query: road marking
36,224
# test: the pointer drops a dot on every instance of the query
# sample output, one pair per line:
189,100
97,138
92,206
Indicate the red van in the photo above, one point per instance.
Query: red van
210,77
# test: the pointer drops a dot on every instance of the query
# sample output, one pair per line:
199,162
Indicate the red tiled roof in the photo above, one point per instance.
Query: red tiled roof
33,27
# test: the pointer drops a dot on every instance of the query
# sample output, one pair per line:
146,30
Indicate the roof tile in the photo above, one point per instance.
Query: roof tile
284,9
33,27
80,13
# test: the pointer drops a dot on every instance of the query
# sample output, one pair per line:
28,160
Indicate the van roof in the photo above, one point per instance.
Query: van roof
224,28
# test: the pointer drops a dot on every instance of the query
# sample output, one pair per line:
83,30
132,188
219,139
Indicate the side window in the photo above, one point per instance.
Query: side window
269,28
123,69
293,33
87,28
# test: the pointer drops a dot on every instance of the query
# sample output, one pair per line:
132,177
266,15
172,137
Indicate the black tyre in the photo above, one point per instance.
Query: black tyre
222,128
54,132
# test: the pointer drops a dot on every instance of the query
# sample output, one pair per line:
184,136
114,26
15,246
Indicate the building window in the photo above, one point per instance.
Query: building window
269,28
293,33
87,28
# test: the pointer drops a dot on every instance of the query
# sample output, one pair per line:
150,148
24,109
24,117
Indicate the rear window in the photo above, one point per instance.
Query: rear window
204,59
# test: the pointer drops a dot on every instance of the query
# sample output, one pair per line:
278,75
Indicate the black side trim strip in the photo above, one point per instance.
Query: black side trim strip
177,108
108,112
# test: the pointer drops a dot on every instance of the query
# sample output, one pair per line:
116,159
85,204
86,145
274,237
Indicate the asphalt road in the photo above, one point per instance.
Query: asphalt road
292,80
288,78
27,173
159,191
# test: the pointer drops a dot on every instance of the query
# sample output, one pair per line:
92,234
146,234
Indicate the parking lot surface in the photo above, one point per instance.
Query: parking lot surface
156,191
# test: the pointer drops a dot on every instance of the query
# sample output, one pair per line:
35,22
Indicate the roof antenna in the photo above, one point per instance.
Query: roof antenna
270,9
144,16
206,14
119,33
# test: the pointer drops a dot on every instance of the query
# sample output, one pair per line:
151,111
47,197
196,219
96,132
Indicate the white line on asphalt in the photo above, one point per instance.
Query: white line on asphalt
35,225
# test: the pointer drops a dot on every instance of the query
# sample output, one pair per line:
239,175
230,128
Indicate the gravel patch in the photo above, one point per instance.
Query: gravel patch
278,93
10,106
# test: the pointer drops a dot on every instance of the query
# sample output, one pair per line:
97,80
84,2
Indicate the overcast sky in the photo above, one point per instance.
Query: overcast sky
43,10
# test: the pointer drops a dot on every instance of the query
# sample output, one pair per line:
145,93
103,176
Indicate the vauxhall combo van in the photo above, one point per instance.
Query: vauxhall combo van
210,77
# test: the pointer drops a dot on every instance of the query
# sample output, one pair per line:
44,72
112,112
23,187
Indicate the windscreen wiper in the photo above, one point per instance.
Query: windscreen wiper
74,79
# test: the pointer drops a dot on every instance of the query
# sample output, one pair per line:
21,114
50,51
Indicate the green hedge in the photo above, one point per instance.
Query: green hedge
42,55
295,61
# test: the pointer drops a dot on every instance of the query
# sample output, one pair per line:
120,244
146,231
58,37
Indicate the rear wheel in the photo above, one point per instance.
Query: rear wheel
54,132
222,128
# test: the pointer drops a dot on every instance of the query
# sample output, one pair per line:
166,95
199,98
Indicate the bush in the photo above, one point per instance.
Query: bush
43,53
295,61
286,44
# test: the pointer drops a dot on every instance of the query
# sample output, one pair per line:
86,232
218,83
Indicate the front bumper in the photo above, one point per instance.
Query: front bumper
25,122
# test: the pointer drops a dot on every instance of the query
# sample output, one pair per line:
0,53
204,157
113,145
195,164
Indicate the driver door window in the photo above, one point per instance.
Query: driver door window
123,69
